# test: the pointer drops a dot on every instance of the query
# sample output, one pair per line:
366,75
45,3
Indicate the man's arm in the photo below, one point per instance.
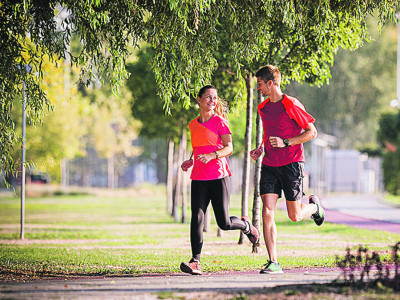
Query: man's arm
309,133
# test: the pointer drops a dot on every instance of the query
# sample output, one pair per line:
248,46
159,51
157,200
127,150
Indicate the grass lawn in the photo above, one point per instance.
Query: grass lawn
69,235
392,199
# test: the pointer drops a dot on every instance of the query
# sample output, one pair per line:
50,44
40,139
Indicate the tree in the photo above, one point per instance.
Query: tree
111,128
146,106
298,36
302,49
257,176
361,85
389,139
59,134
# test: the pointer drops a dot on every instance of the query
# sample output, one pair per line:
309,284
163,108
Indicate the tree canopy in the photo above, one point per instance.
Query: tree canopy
299,36
361,85
389,138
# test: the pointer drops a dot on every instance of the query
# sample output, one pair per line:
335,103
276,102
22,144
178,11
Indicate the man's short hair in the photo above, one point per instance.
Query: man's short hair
268,73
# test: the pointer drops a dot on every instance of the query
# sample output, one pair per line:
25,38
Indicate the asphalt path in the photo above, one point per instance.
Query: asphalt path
152,287
362,211
359,210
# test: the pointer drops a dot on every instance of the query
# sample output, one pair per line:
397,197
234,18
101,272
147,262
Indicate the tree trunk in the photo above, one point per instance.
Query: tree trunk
175,184
111,173
170,176
184,181
207,219
247,147
220,232
64,172
179,175
257,176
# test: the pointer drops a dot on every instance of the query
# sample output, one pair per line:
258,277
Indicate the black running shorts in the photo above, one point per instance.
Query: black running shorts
288,178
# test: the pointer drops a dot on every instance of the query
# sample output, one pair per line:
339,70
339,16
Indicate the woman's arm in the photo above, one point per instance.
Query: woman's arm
225,151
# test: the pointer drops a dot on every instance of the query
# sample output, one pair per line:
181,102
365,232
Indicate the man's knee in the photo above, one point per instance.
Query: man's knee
268,214
295,217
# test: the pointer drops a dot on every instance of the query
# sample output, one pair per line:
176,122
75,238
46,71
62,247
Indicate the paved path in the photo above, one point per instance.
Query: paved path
362,211
359,210
150,287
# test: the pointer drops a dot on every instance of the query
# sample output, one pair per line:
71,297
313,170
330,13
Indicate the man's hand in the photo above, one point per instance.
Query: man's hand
187,164
256,153
276,142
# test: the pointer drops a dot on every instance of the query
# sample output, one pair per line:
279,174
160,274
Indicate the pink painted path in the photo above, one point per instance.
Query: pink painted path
360,211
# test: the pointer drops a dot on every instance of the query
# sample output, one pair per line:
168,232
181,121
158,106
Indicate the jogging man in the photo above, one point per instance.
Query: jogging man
286,127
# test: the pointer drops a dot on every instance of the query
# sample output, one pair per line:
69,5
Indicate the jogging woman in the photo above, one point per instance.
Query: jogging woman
212,143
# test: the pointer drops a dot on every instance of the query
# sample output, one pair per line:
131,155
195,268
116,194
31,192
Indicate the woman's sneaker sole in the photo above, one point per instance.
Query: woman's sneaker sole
187,269
253,234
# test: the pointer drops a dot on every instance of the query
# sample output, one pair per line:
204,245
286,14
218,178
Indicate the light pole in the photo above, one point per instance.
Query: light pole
398,63
28,69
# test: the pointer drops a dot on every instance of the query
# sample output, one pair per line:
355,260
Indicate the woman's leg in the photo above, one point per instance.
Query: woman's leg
199,203
220,198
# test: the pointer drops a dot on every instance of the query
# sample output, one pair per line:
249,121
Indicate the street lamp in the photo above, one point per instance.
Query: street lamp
28,70
398,63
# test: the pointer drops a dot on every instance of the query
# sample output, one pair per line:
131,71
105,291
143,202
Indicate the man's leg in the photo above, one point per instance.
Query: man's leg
269,226
298,211
291,177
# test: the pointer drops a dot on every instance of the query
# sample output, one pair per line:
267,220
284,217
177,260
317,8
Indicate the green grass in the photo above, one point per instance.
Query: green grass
95,235
392,199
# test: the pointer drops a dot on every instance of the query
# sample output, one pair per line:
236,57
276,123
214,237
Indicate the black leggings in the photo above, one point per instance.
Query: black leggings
218,192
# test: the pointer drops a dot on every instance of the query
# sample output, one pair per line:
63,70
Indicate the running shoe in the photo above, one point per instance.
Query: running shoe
252,233
271,267
319,216
192,267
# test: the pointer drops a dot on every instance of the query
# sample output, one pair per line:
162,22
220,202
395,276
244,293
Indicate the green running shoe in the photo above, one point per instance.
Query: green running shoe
271,267
319,216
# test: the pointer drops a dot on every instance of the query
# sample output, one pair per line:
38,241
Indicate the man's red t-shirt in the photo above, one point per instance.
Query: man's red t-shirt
285,119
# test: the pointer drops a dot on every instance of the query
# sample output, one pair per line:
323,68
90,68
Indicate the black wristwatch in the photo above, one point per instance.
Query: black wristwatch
286,142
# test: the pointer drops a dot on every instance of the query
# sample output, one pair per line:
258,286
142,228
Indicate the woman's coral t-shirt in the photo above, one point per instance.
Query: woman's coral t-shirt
206,138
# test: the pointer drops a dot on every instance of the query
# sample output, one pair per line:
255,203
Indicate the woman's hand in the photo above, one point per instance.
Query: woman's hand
205,158
256,153
187,164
